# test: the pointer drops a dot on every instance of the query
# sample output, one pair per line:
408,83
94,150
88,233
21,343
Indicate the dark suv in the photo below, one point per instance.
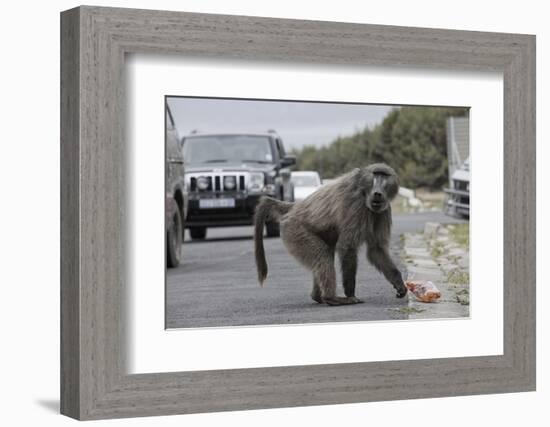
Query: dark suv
226,174
176,200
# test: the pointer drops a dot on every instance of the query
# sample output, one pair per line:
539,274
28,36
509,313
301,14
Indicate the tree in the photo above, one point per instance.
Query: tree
410,139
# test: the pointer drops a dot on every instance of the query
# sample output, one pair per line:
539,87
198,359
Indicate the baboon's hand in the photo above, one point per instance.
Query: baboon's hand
397,282
401,291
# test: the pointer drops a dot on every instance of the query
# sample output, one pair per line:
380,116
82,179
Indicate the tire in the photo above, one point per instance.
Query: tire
272,229
174,241
198,233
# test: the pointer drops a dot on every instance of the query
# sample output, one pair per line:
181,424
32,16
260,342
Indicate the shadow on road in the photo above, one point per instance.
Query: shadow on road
218,239
224,239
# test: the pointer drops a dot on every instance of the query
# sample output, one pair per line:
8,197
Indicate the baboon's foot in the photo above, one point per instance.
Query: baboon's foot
342,300
401,291
316,296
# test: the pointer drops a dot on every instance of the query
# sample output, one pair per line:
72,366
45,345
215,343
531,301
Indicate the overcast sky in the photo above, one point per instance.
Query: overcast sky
298,123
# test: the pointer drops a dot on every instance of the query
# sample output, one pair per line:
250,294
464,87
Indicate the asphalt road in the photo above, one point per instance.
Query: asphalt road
216,284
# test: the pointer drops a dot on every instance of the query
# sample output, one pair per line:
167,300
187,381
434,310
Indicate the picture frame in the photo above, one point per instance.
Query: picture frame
94,42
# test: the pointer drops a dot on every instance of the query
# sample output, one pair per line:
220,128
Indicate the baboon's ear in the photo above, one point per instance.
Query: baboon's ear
361,180
394,179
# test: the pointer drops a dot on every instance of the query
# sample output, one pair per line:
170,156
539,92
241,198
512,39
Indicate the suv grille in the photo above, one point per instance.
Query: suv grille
219,182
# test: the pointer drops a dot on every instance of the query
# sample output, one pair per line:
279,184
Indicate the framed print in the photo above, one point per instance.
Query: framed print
203,155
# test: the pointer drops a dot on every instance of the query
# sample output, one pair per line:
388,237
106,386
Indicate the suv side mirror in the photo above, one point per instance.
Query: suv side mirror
288,161
285,174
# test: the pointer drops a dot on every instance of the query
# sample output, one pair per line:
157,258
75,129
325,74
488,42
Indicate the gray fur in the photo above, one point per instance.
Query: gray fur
337,219
268,209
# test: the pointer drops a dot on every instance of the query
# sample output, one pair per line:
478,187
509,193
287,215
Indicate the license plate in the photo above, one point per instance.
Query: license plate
216,203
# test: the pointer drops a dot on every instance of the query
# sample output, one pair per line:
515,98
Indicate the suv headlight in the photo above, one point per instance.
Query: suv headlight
256,182
229,183
203,183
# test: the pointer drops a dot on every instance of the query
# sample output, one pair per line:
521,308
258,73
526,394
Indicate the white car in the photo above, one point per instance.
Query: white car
305,183
458,196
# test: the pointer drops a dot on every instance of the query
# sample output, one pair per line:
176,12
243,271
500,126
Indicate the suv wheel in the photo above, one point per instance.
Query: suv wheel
272,229
198,233
174,240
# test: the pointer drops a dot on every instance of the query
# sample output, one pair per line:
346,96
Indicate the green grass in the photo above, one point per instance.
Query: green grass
460,233
438,249
463,297
458,276
410,310
453,258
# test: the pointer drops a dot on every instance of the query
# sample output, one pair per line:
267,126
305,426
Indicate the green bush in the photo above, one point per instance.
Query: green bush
410,139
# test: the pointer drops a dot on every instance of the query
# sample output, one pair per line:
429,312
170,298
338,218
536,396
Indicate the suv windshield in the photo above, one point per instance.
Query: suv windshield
227,148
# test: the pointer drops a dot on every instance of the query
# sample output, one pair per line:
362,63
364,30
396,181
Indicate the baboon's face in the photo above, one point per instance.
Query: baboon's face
382,188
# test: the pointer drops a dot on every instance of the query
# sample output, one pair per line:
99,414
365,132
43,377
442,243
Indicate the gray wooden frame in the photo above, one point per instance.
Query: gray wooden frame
94,41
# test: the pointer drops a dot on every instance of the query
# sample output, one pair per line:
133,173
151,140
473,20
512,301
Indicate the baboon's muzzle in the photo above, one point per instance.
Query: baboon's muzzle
377,202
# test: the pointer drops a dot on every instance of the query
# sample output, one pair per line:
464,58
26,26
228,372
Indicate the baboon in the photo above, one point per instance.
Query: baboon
337,218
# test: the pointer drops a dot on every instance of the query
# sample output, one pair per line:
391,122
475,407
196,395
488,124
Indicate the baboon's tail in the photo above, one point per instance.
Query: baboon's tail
268,209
